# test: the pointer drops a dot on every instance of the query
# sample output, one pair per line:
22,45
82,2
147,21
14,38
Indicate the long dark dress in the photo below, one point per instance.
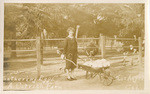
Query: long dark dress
70,51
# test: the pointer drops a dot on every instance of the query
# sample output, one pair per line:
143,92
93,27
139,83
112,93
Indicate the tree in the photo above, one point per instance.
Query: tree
28,20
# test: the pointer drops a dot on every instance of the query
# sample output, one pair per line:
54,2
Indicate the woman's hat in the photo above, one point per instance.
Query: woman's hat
70,29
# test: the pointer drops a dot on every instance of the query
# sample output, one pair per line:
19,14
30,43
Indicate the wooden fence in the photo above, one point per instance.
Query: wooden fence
101,45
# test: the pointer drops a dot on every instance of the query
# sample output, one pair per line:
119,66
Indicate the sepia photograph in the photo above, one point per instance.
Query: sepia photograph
74,46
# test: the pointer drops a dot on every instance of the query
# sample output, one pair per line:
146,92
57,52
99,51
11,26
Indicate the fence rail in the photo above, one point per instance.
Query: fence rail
22,50
77,39
132,39
19,40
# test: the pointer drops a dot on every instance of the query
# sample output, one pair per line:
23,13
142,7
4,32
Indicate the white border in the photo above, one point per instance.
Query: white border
75,1
147,37
1,43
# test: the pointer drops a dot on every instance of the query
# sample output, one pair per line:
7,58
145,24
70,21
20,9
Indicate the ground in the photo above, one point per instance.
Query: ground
21,76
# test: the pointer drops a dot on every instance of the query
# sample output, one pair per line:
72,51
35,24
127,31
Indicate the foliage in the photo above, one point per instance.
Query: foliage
28,20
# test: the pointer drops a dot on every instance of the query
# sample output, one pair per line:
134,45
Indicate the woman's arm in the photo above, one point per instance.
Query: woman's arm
77,47
65,46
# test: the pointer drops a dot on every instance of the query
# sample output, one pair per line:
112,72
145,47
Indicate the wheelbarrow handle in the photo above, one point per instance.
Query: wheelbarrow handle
71,62
81,58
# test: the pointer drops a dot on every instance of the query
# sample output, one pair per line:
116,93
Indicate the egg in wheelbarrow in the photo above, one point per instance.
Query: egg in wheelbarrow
88,63
97,66
103,60
106,64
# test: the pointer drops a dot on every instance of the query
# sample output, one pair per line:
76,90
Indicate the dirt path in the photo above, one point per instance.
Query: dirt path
127,78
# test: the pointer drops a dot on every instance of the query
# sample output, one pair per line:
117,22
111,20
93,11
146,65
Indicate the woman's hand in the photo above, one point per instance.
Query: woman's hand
62,56
78,26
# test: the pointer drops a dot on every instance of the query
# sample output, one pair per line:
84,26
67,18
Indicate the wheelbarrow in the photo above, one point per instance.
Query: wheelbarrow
103,72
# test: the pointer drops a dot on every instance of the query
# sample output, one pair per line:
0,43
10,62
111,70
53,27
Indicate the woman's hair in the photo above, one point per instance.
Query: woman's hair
70,29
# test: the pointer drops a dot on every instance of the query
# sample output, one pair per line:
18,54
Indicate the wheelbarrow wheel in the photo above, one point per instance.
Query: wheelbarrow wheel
106,79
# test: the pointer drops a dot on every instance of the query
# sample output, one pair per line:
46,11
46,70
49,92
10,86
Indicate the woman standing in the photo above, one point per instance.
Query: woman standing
70,52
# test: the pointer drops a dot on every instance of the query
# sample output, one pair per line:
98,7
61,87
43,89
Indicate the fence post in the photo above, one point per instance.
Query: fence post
38,53
99,43
103,46
140,49
41,50
111,44
84,36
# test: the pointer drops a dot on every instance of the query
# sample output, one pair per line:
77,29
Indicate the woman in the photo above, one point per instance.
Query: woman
70,52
